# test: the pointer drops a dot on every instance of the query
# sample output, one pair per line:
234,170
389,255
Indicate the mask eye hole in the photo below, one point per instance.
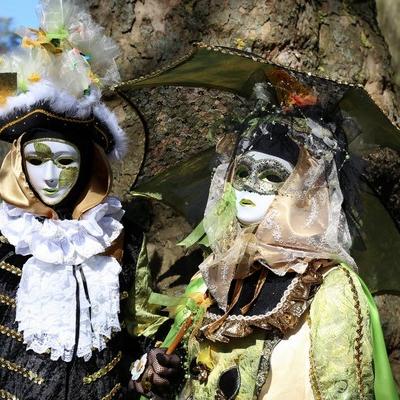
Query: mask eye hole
34,161
271,176
242,172
65,161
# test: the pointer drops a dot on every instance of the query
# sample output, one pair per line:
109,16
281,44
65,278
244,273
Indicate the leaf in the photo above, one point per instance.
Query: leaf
195,236
68,176
42,150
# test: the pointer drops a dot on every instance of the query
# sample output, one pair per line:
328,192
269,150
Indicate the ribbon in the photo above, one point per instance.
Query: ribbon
51,41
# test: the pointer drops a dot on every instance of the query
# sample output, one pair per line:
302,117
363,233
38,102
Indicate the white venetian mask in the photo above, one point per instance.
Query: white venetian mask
52,168
258,176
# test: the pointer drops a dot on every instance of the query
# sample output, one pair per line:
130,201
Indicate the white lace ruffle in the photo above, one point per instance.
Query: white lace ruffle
46,298
62,241
46,306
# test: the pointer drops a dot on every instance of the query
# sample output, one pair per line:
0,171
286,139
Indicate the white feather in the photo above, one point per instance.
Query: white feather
63,80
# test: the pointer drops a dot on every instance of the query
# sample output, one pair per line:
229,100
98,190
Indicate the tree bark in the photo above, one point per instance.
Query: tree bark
340,39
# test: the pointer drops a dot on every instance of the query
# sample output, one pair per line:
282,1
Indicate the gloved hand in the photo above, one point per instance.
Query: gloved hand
163,372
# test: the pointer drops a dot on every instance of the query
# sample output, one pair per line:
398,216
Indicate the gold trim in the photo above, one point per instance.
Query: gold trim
254,57
11,268
5,330
233,52
26,373
49,114
7,395
313,374
103,371
7,300
113,392
123,295
359,337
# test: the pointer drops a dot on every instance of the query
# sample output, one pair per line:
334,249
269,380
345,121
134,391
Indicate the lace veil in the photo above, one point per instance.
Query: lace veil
305,221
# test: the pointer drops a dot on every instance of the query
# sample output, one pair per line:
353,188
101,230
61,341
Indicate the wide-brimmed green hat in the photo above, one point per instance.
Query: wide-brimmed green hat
366,126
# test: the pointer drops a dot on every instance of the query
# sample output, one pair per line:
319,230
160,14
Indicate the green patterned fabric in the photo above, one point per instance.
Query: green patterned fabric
244,353
384,385
341,341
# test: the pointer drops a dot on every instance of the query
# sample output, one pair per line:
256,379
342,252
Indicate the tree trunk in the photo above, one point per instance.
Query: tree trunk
340,39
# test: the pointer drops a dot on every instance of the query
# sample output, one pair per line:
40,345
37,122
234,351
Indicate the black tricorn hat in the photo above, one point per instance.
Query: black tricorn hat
45,106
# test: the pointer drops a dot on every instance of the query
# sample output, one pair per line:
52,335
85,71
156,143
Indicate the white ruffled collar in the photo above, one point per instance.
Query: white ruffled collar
62,241
65,255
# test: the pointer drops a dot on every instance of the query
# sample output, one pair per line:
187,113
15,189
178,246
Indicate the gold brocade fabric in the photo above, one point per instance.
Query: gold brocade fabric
305,222
15,190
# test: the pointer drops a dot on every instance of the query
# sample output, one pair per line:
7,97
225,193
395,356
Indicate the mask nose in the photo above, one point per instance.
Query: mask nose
51,175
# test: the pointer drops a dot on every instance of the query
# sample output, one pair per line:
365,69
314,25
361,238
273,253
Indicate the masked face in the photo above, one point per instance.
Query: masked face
52,168
258,177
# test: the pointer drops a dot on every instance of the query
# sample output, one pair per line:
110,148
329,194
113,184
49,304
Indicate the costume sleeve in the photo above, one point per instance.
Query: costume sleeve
342,354
142,319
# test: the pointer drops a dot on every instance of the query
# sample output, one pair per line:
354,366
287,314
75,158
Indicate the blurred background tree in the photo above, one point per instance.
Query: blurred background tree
388,18
8,39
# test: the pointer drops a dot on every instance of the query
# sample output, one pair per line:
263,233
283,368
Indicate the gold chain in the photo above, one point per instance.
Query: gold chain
113,392
7,395
11,268
26,373
9,301
103,371
5,330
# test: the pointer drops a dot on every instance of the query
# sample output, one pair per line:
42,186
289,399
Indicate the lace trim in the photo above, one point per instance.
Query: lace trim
11,268
284,316
26,373
103,371
265,362
57,300
7,395
63,242
5,330
8,301
113,392
255,318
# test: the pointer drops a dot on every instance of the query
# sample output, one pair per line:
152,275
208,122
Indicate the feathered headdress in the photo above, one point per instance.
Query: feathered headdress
61,68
